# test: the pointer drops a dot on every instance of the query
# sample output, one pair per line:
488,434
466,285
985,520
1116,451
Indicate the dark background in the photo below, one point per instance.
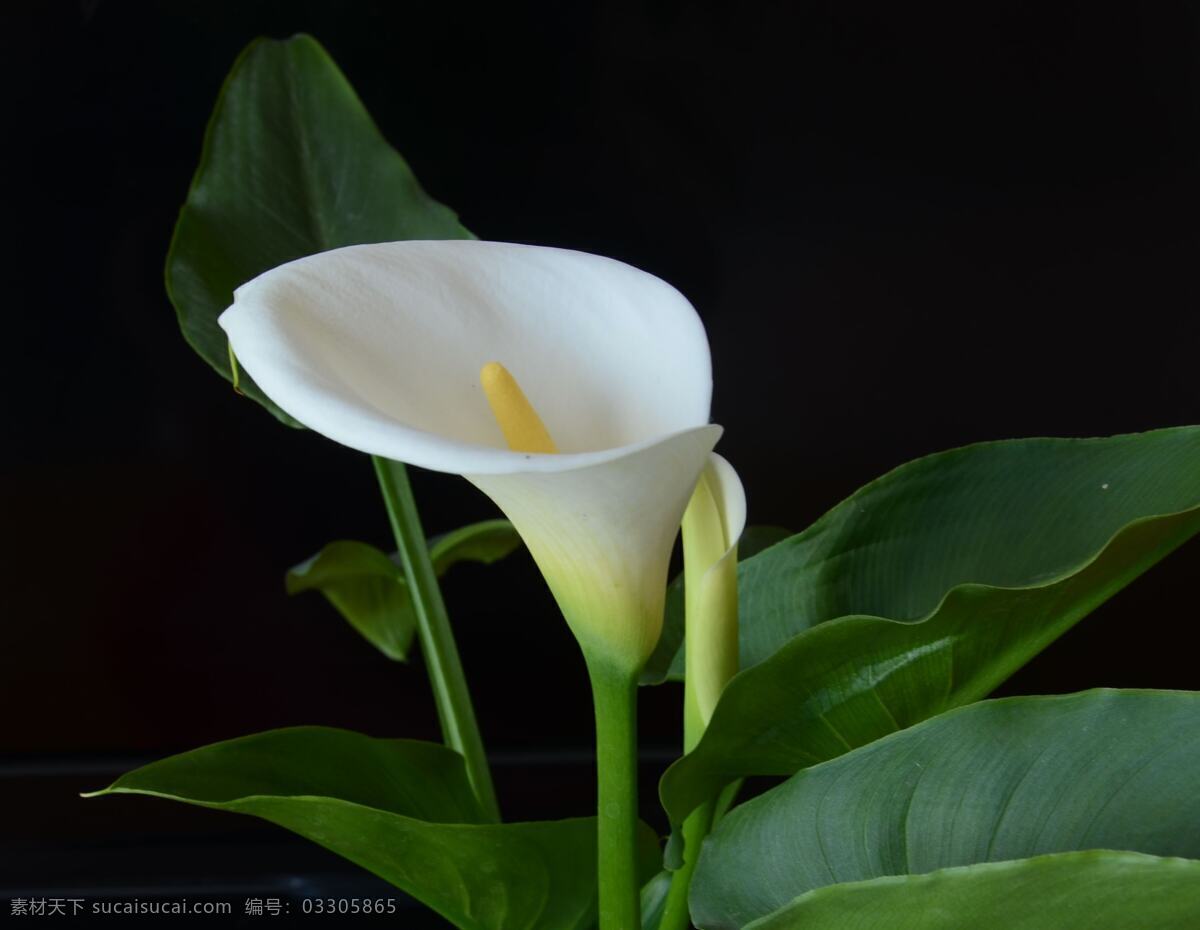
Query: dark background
907,227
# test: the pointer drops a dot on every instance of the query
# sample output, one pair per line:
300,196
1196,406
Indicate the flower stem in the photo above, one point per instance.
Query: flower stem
695,828
459,728
615,696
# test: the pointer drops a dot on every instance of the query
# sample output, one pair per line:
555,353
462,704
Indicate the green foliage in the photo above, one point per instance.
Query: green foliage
486,542
368,588
1072,891
1011,514
407,777
403,810
998,780
292,164
954,571
654,900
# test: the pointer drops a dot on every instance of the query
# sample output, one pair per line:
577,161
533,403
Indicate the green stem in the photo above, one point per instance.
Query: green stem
459,728
615,698
697,826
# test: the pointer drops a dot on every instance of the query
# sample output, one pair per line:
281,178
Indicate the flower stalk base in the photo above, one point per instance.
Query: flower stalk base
615,696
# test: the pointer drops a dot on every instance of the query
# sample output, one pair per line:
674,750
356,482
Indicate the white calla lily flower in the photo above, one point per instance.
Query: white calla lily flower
381,348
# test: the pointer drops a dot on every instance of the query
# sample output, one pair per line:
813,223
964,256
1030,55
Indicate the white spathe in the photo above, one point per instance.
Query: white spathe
379,347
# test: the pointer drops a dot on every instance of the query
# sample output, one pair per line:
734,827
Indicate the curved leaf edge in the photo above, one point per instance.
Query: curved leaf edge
970,449
228,369
443,547
917,882
414,889
231,373
1048,581
1026,699
234,806
249,738
298,578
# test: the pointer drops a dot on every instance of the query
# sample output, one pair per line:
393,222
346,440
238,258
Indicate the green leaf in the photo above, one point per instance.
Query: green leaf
292,164
654,900
403,810
1012,514
1073,891
418,779
971,563
998,780
485,542
666,663
367,588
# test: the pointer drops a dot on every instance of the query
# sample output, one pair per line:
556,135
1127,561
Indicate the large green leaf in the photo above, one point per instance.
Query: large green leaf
1012,514
998,780
367,586
418,779
292,164
971,561
1071,891
403,810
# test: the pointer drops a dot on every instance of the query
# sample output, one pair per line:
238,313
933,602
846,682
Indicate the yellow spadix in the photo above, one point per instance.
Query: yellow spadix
523,429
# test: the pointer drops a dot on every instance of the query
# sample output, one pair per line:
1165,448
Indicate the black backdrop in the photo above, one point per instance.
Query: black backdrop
907,227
